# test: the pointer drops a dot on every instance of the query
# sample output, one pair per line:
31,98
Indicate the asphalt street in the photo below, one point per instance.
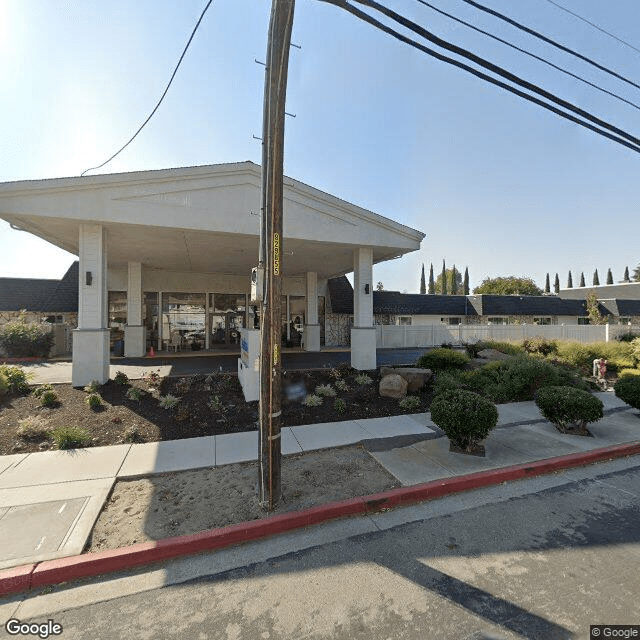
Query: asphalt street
542,558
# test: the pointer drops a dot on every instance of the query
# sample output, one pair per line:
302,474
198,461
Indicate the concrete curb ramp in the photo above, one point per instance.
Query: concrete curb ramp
50,572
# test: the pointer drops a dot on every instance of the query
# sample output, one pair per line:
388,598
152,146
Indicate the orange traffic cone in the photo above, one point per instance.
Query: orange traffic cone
152,353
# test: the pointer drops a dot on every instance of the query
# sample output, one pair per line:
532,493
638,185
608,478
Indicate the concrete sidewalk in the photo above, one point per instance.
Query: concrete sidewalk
49,501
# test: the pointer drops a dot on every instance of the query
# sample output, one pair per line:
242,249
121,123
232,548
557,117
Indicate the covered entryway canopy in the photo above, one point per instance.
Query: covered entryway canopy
193,229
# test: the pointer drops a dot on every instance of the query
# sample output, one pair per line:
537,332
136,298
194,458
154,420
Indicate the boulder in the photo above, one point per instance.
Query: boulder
393,386
416,378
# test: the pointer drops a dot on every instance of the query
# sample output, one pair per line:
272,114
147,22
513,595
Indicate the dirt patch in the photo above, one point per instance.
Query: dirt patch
187,502
207,405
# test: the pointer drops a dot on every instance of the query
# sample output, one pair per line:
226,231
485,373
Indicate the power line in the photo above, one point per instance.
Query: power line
133,137
528,53
416,28
461,65
549,41
595,26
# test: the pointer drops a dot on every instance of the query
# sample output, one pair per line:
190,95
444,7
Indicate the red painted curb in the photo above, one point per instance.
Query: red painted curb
16,579
64,569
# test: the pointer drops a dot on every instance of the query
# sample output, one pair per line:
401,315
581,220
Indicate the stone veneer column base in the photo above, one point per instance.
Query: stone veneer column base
363,348
90,356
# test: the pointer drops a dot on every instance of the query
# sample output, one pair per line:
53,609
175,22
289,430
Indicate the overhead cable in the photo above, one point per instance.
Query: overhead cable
549,41
595,26
405,22
461,65
528,53
173,75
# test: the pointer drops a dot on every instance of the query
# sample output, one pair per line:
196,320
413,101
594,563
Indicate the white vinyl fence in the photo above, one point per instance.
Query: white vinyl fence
400,336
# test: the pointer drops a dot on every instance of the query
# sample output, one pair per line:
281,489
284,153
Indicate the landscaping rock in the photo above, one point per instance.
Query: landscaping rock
416,377
393,386
493,354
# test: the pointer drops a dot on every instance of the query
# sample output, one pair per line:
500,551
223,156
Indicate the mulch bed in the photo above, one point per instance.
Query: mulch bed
209,405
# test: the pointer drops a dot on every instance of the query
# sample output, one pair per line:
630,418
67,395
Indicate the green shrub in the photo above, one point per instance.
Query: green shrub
33,428
168,401
93,387
94,401
16,378
465,417
513,380
4,384
442,360
619,355
628,390
341,385
132,435
409,403
340,405
540,345
635,350
26,339
215,403
325,390
133,393
510,348
363,378
49,399
41,389
121,378
70,437
627,337
472,348
312,401
628,372
564,406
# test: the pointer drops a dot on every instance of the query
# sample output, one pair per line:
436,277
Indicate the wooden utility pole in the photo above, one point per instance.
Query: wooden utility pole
275,91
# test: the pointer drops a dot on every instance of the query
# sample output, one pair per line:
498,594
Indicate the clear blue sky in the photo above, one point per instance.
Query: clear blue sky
497,184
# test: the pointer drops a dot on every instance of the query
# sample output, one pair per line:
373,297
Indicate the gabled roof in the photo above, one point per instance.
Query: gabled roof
37,294
621,307
420,304
17,294
496,305
65,297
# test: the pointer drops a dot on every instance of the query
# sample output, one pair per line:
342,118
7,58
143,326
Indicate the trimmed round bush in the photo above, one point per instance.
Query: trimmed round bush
21,339
564,406
465,417
443,359
627,389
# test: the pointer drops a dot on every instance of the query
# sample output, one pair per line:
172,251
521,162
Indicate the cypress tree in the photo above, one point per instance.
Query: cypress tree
432,284
547,285
609,276
443,284
556,284
626,275
454,281
596,280
582,284
569,281
423,286
466,281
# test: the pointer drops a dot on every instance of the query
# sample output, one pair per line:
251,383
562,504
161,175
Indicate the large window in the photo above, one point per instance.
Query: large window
183,319
227,316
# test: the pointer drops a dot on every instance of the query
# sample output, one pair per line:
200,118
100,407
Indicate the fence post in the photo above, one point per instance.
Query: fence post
606,332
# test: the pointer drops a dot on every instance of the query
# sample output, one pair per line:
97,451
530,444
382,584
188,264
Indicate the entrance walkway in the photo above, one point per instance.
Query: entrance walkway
187,364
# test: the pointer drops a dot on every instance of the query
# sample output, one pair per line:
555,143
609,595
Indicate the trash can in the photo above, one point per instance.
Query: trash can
118,348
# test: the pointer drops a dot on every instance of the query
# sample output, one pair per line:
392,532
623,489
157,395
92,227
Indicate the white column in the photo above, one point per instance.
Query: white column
134,332
363,333
91,338
311,327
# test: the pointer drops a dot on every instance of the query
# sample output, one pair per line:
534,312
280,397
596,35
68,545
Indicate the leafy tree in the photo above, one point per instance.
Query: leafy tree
556,284
380,286
582,284
636,274
423,285
449,283
510,285
432,285
593,310
569,281
443,280
466,281
596,280
454,281
547,285
609,276
626,275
